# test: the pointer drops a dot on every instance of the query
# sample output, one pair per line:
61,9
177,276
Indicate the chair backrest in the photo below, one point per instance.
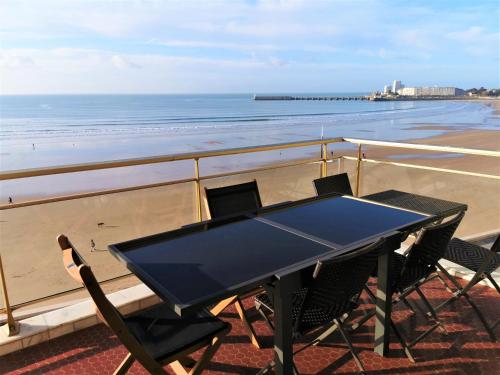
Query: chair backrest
337,183
336,282
229,200
496,245
81,272
432,242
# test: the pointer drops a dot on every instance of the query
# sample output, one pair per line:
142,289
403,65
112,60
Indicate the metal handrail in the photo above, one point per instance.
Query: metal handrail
22,173
414,146
71,168
196,156
198,177
425,167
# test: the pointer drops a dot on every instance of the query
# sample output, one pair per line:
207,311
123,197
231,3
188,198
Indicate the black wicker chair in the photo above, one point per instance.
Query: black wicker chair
224,202
329,297
337,183
155,336
419,266
478,259
233,199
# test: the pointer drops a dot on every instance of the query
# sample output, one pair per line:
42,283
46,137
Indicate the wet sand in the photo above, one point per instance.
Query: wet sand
475,139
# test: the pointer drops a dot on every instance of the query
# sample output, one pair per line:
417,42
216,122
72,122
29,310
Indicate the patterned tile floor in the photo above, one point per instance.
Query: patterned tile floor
465,350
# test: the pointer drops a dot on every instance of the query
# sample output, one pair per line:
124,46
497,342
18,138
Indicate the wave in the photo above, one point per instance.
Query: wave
47,128
185,119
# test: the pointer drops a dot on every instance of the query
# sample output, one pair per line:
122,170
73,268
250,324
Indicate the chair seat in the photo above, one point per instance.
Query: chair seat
470,256
405,275
163,333
312,318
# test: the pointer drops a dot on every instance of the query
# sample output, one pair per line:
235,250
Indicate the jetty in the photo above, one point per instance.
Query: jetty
374,98
290,97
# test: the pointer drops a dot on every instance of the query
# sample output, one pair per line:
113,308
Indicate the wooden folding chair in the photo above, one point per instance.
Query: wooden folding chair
155,336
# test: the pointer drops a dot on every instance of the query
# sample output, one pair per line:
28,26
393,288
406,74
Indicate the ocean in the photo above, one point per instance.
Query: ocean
48,130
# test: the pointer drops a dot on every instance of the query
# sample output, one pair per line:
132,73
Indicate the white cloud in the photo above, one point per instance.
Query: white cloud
122,63
420,39
281,5
469,35
14,61
220,45
282,29
275,61
247,47
475,41
394,54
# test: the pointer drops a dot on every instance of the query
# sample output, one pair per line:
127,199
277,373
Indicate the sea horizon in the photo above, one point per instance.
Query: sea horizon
250,94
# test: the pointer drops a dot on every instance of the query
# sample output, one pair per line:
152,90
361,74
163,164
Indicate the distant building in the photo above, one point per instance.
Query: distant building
396,86
431,91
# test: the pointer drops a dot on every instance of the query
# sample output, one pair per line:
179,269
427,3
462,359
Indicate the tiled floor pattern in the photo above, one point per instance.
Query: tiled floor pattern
465,350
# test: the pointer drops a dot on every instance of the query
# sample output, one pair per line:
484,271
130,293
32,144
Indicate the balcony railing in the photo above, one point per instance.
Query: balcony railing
32,268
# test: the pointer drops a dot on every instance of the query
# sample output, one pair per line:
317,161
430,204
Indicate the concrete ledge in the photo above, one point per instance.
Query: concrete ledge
69,319
72,318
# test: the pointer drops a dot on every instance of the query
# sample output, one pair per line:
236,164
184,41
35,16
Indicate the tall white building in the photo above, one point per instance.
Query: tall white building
387,89
396,85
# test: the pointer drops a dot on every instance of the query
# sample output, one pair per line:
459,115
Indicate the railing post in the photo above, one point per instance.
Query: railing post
198,188
324,159
11,328
358,170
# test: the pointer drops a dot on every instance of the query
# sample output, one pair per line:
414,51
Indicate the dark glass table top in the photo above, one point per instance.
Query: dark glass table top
208,263
432,206
343,220
194,266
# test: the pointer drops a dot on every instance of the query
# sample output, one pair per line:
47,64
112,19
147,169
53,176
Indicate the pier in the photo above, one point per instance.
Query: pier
290,97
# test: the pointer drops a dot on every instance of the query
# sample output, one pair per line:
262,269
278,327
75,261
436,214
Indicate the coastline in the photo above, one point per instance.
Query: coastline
139,213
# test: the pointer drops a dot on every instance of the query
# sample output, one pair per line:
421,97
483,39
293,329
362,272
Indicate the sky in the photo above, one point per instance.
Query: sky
217,46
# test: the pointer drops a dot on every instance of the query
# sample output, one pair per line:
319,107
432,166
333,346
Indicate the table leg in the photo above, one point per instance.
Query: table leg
283,335
383,303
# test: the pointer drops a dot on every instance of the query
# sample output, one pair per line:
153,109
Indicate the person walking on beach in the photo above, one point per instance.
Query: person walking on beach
10,200
92,245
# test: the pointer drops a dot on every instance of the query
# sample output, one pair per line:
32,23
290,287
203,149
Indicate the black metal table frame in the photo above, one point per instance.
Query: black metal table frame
287,283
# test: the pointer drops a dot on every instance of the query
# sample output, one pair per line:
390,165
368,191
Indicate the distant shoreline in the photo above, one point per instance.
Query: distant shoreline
421,98
367,97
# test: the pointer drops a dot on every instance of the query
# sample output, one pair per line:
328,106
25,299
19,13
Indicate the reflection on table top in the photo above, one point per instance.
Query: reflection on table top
199,264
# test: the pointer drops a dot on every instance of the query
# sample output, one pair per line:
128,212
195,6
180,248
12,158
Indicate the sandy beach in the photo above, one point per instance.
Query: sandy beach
32,259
